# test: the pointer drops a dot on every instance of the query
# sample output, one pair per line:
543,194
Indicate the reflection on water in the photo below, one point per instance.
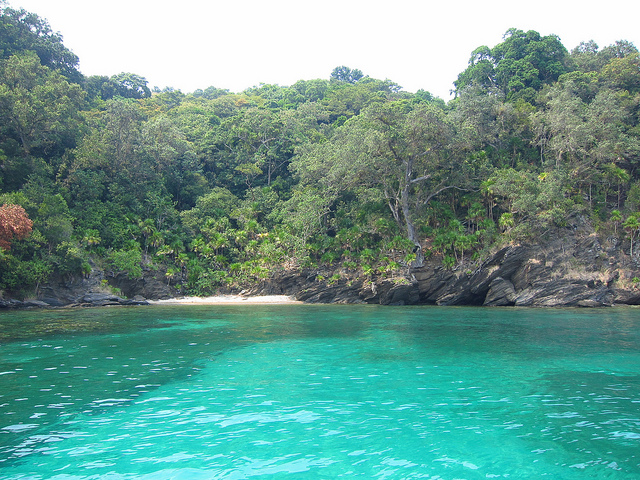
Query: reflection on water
319,391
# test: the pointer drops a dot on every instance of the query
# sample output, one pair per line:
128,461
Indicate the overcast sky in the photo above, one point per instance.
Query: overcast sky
236,44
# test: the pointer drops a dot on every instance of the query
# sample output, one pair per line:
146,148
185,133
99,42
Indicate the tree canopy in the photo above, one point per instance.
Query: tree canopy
222,189
519,66
21,31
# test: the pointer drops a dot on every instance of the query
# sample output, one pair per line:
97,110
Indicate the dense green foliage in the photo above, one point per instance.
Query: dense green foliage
220,189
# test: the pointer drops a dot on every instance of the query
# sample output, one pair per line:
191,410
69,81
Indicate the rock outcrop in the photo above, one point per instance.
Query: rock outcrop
311,287
570,267
97,289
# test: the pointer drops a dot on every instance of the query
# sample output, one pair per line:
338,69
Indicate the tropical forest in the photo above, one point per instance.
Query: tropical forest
215,191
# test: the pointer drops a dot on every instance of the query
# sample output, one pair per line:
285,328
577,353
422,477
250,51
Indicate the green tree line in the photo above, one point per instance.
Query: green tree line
222,189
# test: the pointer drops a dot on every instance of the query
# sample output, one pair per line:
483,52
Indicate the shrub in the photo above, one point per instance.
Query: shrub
129,261
448,262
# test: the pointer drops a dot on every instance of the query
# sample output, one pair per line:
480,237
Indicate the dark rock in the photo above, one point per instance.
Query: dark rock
562,293
34,304
398,293
625,296
128,301
11,303
503,264
53,302
152,285
501,293
433,282
569,267
459,293
100,298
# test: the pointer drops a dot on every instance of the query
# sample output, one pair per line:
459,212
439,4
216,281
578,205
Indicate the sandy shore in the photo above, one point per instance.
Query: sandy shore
227,300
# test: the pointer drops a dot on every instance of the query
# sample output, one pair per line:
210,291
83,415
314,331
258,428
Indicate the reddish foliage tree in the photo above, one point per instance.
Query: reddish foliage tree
14,224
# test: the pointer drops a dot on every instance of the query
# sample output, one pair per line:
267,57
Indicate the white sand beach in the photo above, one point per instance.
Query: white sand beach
228,300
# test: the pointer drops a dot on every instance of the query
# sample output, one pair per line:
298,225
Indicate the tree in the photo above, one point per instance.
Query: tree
122,135
37,104
49,211
519,66
130,85
395,151
506,221
616,218
307,211
21,31
349,99
583,137
311,90
346,74
172,158
622,73
631,225
216,204
253,142
14,225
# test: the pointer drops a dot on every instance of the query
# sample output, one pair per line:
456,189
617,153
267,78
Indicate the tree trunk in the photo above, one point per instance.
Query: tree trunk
411,229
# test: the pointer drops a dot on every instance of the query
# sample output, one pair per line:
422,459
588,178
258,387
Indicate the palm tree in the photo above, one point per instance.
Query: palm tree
147,229
464,242
171,272
91,238
506,221
488,193
616,217
177,248
475,214
198,244
156,239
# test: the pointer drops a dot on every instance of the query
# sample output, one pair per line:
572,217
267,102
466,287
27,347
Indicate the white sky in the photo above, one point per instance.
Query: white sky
236,44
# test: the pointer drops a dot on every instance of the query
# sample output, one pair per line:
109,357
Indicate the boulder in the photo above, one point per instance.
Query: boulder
398,293
34,304
501,293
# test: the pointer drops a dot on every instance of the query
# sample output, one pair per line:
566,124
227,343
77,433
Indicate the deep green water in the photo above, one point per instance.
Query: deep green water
319,392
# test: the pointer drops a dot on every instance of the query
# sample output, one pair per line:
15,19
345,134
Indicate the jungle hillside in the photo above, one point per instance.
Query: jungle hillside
216,190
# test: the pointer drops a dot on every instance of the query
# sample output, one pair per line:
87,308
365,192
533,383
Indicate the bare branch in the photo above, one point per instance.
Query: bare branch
420,179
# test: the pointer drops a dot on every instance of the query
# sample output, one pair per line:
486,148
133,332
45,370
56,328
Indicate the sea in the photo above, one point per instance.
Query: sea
204,392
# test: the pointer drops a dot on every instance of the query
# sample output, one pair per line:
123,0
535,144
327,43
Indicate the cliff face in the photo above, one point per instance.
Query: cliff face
569,267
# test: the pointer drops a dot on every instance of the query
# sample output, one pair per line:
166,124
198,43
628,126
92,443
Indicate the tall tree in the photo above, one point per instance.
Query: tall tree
37,104
519,66
21,31
253,143
39,117
395,149
130,85
346,74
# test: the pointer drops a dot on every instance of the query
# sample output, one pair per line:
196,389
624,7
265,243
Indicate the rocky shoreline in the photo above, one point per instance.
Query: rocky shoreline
572,267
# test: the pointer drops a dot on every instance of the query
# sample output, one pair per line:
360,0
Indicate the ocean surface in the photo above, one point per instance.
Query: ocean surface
319,392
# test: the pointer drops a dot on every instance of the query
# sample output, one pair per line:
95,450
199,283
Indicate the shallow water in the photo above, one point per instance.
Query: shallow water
300,391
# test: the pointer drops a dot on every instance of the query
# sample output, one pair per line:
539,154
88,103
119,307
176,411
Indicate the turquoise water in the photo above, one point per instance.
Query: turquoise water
319,392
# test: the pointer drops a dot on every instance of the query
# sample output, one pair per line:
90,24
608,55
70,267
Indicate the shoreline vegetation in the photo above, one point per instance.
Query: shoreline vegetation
524,189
